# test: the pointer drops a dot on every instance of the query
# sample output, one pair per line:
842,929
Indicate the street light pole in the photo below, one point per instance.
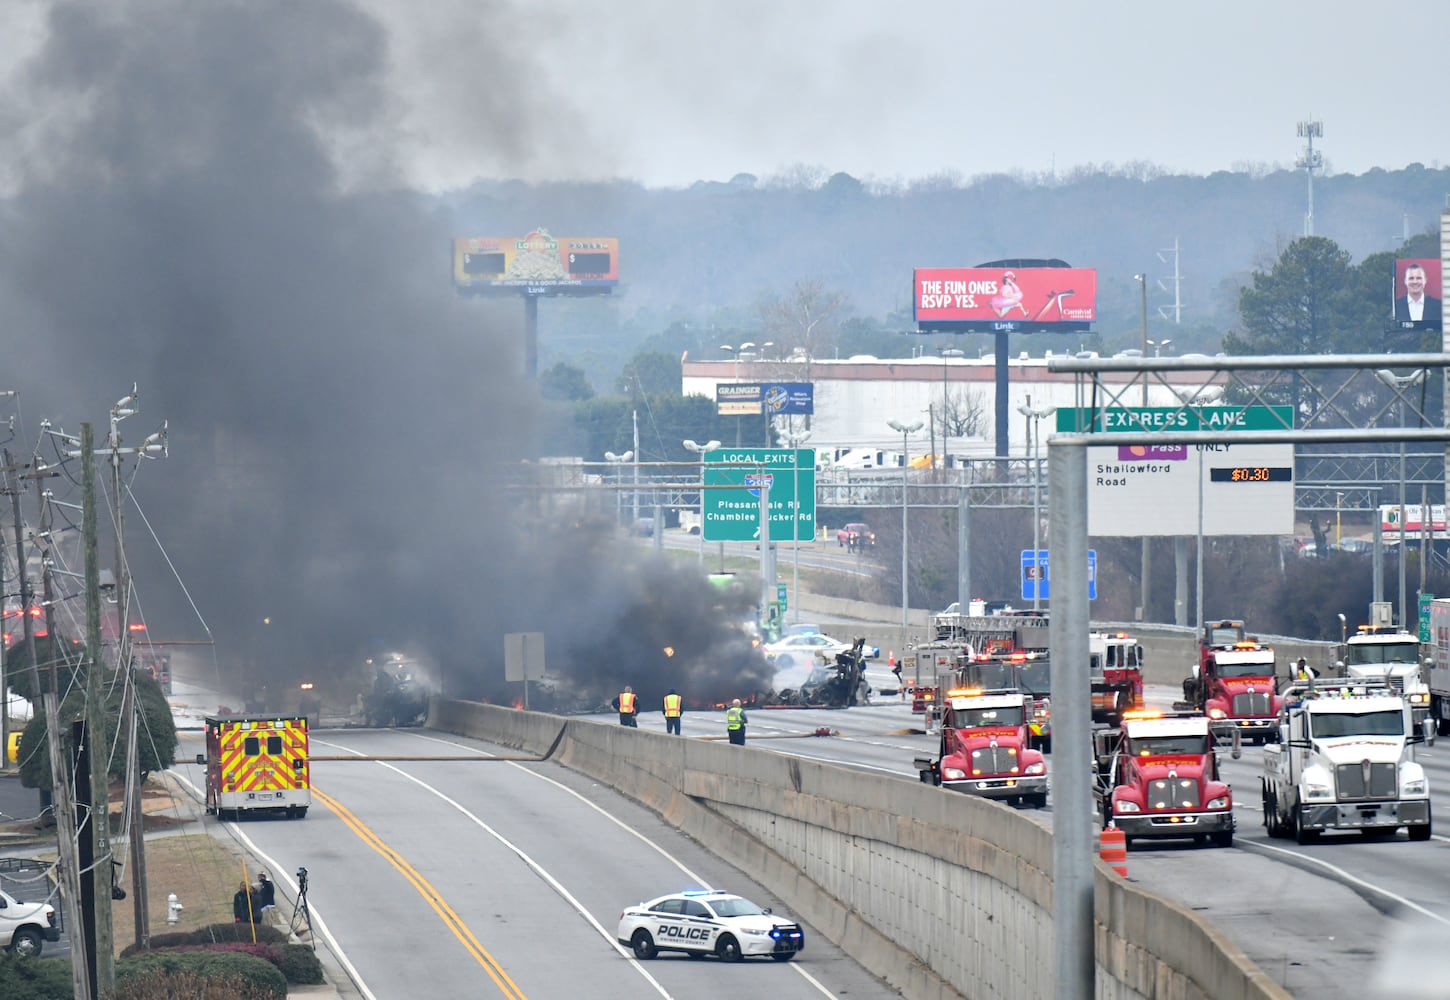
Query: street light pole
1146,558
702,450
794,439
906,431
616,461
1400,383
1034,415
945,352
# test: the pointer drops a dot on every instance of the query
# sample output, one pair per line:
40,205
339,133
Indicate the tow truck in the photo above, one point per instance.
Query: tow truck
1381,651
1345,762
986,749
1157,775
1235,686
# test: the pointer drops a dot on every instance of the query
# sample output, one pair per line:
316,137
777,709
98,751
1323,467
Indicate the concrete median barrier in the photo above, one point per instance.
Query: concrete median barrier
941,895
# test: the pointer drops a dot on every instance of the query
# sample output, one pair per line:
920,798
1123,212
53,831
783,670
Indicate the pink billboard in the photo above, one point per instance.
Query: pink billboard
1006,298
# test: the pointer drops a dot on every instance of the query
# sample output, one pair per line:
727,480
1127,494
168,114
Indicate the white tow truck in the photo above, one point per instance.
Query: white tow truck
1380,651
1344,761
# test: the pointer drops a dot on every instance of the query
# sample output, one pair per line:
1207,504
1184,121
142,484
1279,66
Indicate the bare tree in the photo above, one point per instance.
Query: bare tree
806,319
963,413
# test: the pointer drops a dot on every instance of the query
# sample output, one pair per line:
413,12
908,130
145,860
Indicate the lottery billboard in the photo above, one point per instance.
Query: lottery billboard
537,263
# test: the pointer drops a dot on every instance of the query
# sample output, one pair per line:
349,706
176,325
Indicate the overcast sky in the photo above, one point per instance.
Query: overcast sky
668,93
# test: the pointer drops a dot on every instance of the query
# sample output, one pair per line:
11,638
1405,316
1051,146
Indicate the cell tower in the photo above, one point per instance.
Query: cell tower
1173,285
1310,161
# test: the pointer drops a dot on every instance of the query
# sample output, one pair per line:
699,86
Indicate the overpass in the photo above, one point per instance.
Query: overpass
942,896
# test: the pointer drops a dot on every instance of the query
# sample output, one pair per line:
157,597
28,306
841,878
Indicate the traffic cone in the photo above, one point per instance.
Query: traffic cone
1113,848
890,657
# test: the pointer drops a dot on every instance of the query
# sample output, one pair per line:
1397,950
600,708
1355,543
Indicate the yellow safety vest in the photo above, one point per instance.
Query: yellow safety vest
734,718
626,703
672,706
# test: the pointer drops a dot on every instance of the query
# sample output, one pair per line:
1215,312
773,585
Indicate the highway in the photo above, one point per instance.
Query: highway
492,871
502,878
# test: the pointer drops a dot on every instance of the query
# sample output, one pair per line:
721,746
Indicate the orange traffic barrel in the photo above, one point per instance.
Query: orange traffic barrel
1114,849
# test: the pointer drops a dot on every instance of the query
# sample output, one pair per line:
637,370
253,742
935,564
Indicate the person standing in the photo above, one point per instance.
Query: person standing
627,708
674,708
266,897
242,905
735,721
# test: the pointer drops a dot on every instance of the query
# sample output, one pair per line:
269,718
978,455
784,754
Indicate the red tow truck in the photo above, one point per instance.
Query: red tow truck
1236,687
986,749
1157,776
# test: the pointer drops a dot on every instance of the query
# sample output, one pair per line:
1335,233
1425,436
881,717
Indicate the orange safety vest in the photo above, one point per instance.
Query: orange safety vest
626,703
672,706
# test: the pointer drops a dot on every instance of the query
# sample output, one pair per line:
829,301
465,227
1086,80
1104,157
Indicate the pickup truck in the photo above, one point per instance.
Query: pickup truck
25,927
855,536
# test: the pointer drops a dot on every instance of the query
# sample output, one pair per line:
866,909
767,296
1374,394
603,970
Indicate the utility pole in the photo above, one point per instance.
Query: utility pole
102,868
61,796
125,671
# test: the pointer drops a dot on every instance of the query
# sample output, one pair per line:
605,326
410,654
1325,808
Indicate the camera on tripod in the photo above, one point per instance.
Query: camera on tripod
302,877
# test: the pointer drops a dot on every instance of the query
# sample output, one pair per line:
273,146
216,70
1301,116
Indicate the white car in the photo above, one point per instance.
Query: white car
708,922
802,649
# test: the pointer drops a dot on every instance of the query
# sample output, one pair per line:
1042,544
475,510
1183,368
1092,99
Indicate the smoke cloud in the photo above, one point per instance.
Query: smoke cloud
204,199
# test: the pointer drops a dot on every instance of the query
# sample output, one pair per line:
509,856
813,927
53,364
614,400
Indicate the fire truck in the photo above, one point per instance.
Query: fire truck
1157,775
1235,686
256,764
986,749
1116,664
986,653
1345,762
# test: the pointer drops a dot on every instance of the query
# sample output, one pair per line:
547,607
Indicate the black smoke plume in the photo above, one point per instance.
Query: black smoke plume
347,434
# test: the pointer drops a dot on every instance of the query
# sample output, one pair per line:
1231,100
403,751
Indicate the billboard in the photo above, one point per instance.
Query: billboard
1414,526
1014,299
735,399
1417,303
537,263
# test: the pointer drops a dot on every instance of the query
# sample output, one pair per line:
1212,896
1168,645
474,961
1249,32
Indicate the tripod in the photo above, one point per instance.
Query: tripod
301,922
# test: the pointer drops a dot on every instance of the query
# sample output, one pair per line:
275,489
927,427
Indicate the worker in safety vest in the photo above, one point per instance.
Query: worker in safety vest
735,723
1304,672
628,710
674,708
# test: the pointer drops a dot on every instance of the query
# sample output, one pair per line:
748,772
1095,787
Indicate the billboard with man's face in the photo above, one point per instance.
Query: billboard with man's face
1018,299
1417,304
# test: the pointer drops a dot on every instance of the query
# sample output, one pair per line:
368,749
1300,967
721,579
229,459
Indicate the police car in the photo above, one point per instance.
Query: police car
708,922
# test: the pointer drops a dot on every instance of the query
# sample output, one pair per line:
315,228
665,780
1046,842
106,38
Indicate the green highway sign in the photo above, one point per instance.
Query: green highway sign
1076,420
733,481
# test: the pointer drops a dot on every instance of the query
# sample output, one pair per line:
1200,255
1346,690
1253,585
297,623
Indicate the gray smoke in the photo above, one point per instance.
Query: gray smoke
346,433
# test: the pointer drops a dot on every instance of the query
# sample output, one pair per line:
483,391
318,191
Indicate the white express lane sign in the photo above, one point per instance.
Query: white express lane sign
1148,489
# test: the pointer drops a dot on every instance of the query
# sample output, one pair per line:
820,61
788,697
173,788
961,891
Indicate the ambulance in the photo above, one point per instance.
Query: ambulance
255,764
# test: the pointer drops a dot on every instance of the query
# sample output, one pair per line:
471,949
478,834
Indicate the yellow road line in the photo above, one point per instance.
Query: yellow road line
431,895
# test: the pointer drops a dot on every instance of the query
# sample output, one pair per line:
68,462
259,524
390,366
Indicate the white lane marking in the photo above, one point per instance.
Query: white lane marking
319,925
659,849
679,864
1354,879
538,869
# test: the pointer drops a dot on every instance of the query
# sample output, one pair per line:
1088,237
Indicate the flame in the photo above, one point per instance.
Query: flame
669,650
